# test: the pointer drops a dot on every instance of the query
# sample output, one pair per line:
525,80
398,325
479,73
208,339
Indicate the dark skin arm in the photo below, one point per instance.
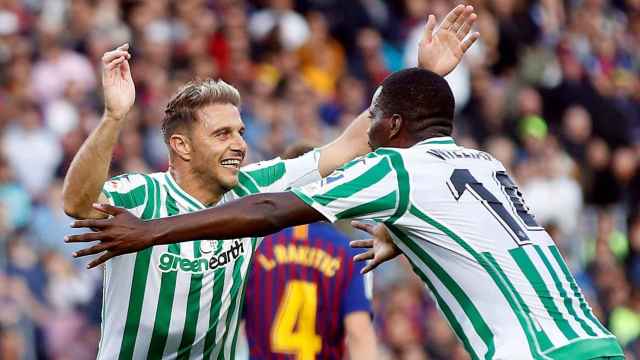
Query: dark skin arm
256,215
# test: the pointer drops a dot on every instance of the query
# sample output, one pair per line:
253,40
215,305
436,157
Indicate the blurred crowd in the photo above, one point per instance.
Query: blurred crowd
552,89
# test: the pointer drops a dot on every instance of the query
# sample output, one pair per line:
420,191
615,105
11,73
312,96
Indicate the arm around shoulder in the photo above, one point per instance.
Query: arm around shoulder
353,142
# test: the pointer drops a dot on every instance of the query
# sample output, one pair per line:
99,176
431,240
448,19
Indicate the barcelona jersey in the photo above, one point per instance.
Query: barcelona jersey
302,285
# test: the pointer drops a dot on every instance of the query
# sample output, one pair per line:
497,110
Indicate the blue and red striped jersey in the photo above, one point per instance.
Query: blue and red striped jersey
302,285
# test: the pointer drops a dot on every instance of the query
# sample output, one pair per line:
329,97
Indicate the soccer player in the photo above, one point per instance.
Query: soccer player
455,213
184,300
305,296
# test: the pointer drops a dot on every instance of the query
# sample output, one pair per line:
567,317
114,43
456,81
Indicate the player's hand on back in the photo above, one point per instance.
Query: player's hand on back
442,47
381,246
117,84
122,233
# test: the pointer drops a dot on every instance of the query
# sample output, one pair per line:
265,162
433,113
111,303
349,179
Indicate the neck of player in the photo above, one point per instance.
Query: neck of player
206,191
406,138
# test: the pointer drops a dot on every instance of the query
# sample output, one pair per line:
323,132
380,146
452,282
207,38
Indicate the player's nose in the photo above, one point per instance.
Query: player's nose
238,144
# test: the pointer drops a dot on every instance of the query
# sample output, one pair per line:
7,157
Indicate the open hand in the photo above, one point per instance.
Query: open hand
381,247
117,84
441,49
122,233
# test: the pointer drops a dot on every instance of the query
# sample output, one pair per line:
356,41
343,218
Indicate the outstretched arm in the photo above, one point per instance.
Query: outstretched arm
255,215
90,166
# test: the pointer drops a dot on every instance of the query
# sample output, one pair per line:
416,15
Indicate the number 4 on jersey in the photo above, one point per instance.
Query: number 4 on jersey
461,180
294,328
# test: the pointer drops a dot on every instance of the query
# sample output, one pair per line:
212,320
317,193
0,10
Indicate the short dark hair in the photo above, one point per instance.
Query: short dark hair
181,109
422,97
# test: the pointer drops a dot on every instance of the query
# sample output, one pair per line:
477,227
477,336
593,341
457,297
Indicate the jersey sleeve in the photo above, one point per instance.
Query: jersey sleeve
355,297
365,188
279,175
128,191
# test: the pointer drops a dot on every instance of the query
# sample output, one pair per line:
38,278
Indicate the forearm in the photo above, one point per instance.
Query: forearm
256,215
353,142
90,169
360,337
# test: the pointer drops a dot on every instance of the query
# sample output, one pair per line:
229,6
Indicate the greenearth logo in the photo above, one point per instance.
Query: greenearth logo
175,262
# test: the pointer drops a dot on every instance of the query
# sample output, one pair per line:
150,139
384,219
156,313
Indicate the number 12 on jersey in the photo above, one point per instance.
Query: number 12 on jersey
462,180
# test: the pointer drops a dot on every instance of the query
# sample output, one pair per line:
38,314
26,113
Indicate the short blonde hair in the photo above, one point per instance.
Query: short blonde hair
181,109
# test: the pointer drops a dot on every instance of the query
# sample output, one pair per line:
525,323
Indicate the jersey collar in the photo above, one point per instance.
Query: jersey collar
180,195
443,140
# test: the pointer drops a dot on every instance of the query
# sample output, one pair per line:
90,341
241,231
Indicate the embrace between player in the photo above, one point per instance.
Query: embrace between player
190,307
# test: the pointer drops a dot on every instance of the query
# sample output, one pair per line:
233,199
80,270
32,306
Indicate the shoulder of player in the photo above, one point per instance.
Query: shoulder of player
125,180
458,152
371,158
259,165
138,182
256,176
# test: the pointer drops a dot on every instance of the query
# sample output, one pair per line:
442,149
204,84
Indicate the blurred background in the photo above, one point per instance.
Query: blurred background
552,89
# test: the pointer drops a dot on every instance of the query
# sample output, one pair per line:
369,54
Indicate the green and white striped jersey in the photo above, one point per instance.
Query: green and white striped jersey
183,300
496,276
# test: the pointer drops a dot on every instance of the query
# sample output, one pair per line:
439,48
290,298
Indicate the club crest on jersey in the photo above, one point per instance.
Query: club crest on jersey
175,262
208,246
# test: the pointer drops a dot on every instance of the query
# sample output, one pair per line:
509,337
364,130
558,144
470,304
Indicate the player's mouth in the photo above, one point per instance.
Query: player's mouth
231,163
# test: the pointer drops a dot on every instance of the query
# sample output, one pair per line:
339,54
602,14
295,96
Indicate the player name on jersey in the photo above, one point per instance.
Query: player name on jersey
460,154
302,255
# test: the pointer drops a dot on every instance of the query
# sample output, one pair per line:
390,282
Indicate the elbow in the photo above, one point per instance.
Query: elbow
360,336
71,206
272,218
68,205
362,346
71,210
270,213
271,223
67,200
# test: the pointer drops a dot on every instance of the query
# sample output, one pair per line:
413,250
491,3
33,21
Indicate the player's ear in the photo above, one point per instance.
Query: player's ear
181,146
395,123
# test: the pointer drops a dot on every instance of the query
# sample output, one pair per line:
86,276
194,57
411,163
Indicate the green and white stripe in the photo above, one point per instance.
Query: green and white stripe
502,300
166,302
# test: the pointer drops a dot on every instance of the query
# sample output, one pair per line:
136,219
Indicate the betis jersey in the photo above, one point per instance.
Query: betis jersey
495,274
302,286
183,300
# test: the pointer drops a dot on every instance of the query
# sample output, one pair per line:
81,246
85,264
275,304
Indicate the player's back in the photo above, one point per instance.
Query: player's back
495,273
302,285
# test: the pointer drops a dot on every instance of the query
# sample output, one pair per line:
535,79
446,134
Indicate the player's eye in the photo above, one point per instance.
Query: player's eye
222,134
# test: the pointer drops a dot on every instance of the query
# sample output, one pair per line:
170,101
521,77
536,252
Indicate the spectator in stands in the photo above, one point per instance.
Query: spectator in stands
572,64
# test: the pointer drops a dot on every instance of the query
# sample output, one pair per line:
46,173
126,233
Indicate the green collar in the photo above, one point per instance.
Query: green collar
182,195
443,140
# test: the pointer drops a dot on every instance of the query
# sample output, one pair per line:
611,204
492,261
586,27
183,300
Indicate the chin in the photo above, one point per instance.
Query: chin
229,183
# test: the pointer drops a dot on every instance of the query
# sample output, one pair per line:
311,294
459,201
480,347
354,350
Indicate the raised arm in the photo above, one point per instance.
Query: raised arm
353,142
90,166
440,50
